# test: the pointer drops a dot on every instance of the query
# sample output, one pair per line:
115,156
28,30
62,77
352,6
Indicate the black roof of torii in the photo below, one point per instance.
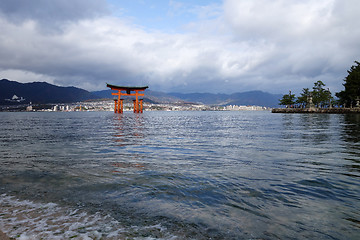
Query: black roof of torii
125,87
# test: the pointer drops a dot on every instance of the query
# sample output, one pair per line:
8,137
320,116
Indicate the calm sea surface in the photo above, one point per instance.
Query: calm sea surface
179,175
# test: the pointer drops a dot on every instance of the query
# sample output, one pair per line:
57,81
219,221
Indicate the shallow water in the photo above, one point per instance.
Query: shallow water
180,175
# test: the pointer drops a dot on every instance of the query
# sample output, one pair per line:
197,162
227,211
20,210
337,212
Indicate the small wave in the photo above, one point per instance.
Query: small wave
27,220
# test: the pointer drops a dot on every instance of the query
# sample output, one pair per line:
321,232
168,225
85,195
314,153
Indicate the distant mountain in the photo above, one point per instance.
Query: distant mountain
150,96
12,92
204,98
257,98
103,93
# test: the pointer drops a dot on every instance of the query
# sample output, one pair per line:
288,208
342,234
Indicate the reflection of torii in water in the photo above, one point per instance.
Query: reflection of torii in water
138,103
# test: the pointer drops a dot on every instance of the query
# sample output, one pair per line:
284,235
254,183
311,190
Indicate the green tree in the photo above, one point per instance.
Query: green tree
287,100
352,86
303,99
321,96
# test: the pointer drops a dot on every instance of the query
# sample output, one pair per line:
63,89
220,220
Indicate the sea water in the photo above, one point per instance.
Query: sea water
179,175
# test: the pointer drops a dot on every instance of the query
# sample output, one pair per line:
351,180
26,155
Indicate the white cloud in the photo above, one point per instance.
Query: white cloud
25,76
109,50
278,20
243,45
52,15
307,38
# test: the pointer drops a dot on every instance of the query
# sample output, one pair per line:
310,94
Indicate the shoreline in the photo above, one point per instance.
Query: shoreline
317,110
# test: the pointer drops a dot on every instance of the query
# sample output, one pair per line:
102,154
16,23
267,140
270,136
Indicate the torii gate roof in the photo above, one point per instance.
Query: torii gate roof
125,87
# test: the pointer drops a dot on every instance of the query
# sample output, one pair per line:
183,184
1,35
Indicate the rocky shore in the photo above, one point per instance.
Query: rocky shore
317,110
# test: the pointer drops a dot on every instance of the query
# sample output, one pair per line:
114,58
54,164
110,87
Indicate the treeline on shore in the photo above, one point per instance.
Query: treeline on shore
321,97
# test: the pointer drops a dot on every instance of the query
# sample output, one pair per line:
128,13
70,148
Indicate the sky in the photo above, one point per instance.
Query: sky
180,45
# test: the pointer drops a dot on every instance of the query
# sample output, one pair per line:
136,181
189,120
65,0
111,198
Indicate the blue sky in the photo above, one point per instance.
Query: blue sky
161,15
180,46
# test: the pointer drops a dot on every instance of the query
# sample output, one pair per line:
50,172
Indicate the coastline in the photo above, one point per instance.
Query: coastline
317,110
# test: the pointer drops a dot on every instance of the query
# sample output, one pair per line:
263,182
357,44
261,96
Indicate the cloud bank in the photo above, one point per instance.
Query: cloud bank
233,46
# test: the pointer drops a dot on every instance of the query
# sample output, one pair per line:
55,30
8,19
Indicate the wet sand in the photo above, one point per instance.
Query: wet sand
3,236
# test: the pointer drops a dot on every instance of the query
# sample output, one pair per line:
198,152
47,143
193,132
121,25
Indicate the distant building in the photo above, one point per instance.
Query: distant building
15,99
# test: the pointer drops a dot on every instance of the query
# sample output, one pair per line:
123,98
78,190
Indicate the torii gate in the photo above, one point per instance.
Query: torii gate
138,103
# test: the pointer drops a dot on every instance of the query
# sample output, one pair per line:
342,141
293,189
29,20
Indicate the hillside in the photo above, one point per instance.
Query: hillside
257,98
40,92
150,96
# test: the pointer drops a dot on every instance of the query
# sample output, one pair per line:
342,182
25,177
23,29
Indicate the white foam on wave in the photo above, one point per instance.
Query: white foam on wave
27,220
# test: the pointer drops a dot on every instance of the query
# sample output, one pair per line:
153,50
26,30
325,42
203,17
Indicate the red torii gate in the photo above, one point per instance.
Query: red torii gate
138,103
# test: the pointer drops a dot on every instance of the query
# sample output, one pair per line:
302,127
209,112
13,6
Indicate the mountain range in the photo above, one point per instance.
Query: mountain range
253,98
12,92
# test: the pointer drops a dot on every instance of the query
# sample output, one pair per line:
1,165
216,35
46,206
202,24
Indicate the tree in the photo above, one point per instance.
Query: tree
287,99
303,99
352,86
320,95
